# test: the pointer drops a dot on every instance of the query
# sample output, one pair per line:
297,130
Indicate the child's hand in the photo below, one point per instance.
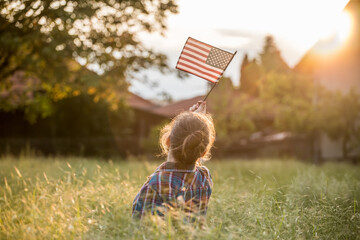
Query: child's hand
199,107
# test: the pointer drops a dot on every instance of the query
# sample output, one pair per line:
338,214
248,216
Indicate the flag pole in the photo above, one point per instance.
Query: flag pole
219,77
209,92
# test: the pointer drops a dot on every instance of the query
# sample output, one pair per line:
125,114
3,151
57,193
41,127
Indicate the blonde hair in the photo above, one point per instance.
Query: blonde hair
191,136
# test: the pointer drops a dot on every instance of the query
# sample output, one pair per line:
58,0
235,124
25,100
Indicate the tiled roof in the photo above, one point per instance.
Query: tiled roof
168,111
173,109
140,103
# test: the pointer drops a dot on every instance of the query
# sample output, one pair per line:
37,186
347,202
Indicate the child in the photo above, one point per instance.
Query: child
181,182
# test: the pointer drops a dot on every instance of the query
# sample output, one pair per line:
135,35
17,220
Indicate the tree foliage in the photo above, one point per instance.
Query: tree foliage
287,96
251,74
270,57
254,71
234,113
340,115
77,125
292,94
46,40
238,113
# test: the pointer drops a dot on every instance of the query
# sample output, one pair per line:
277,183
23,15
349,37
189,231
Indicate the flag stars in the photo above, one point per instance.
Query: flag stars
218,58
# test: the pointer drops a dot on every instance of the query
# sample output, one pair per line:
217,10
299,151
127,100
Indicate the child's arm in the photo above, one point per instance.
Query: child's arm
147,201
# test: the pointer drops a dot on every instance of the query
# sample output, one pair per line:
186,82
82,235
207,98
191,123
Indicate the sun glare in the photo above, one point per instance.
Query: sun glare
335,36
344,26
339,27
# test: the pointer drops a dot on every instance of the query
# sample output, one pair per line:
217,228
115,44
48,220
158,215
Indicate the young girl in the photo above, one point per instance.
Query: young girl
181,182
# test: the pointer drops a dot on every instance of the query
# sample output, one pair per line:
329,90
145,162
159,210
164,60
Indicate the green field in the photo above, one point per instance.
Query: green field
75,198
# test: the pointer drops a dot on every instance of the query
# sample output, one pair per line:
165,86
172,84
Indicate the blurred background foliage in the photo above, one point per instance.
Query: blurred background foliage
46,48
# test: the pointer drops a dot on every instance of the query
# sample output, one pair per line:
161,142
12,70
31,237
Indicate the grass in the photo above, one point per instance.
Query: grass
76,198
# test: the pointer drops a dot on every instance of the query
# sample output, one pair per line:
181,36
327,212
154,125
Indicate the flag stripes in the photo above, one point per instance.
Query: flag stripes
200,62
197,71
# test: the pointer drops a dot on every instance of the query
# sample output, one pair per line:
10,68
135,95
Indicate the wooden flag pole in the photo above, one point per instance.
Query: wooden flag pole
219,77
209,92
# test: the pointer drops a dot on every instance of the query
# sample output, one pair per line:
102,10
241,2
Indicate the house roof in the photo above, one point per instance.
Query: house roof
140,103
168,111
173,109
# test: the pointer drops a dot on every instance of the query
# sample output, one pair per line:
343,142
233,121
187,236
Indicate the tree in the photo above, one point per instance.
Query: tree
340,117
45,39
293,98
254,71
273,83
294,105
270,57
250,76
233,113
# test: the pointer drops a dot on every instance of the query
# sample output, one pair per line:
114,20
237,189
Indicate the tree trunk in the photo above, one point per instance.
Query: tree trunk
315,153
345,148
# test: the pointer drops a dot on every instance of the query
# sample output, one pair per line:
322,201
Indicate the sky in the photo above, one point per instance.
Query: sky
237,25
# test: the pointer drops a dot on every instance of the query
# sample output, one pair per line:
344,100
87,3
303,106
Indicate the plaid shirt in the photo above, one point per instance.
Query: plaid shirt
172,187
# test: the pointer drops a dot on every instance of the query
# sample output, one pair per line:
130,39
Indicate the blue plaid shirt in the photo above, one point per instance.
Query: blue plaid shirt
172,186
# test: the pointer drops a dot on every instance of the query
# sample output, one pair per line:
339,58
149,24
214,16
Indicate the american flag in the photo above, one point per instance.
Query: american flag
203,60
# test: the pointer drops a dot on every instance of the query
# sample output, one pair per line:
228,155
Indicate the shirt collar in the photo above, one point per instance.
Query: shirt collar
175,167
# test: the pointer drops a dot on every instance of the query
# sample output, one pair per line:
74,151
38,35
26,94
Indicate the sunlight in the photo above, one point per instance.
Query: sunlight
344,27
335,36
340,26
307,22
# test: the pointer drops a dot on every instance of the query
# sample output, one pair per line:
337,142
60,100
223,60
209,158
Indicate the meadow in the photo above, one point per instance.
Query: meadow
79,198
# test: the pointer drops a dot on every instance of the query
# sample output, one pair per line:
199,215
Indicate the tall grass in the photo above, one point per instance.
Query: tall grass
76,198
